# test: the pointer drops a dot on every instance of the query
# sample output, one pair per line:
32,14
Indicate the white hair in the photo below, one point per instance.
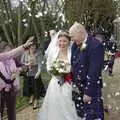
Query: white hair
77,27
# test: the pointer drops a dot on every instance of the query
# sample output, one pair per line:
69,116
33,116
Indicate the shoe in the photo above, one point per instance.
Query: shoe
31,100
35,104
106,110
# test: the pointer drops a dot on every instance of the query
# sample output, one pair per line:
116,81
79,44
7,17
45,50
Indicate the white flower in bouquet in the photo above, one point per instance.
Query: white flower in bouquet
55,65
61,70
63,64
57,68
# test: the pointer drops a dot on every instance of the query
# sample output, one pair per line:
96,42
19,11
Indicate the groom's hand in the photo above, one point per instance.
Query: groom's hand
87,99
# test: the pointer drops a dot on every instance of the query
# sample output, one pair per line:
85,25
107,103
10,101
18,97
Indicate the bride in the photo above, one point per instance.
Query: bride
58,104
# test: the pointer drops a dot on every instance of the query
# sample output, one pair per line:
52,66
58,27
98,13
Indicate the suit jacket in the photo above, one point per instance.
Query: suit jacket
87,66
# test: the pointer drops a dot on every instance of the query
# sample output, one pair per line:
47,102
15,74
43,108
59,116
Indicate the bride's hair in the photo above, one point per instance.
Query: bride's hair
64,34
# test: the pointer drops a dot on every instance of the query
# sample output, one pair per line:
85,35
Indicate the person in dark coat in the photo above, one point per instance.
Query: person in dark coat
112,49
33,85
87,63
46,41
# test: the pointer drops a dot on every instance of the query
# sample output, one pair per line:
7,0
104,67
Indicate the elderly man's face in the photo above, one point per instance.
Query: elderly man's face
77,37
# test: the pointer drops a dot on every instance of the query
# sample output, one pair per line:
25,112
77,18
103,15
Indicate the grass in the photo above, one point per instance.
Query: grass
21,101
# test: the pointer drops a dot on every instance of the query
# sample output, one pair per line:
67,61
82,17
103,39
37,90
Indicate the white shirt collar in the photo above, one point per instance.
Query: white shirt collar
85,39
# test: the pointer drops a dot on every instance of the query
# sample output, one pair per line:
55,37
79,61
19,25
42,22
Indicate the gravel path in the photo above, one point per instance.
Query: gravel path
27,114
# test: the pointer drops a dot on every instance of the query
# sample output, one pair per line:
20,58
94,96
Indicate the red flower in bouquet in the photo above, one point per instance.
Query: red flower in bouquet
68,78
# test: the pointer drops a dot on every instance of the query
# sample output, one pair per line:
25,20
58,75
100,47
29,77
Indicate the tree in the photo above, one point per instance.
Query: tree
24,18
96,15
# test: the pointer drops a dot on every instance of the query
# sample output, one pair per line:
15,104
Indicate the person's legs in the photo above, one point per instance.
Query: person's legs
26,86
94,110
39,90
11,104
106,65
42,88
2,104
111,63
31,89
35,93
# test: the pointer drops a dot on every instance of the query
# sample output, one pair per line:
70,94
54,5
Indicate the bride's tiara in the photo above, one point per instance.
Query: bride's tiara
65,34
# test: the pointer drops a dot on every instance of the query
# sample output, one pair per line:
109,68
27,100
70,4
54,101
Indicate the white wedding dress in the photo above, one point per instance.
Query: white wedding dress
58,104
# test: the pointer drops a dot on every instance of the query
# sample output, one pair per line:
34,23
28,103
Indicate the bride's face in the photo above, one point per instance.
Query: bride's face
63,42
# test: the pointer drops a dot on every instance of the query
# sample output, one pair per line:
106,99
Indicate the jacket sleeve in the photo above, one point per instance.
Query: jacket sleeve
96,62
13,53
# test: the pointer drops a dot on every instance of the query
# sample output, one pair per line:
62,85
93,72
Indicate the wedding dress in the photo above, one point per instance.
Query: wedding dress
58,104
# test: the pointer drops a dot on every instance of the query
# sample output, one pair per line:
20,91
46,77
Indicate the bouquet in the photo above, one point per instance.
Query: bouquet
61,70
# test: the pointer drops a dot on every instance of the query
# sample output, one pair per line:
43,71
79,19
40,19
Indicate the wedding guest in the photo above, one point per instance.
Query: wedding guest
46,41
9,74
9,55
33,85
13,53
112,49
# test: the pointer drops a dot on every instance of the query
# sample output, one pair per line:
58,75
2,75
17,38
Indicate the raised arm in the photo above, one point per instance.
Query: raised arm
17,51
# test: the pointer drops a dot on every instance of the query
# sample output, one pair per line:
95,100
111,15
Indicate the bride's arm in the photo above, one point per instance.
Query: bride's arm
17,51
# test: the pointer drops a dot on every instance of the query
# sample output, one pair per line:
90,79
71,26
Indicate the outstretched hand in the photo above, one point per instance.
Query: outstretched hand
29,42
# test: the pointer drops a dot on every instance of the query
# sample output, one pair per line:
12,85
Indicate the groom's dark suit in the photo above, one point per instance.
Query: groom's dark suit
86,67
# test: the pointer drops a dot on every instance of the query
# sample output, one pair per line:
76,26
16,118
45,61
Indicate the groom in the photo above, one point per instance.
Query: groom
87,62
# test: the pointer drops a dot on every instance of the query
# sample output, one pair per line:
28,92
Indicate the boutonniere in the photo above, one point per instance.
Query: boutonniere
83,46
